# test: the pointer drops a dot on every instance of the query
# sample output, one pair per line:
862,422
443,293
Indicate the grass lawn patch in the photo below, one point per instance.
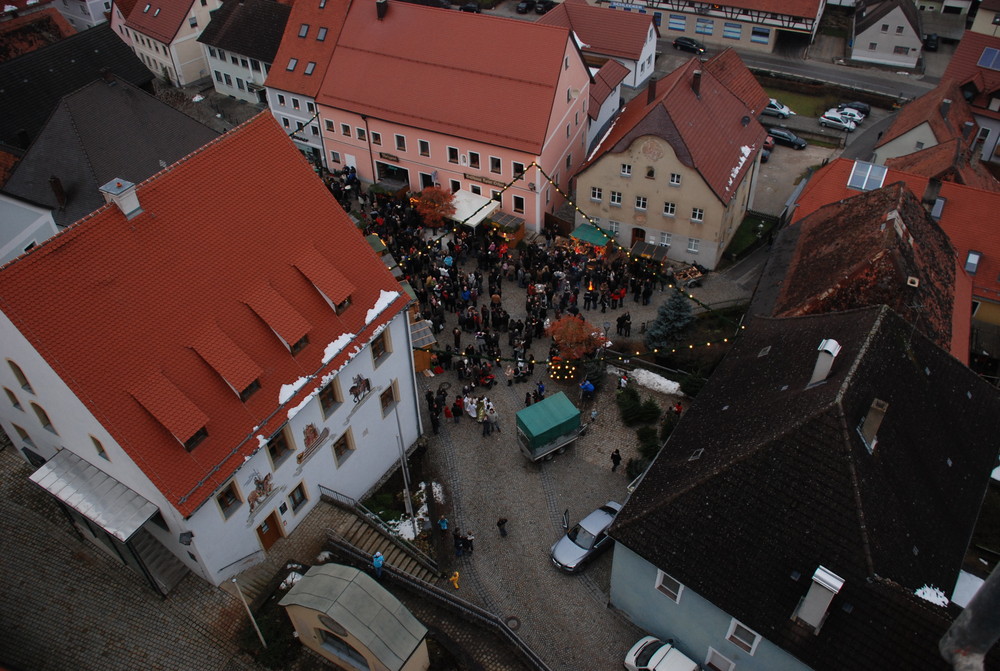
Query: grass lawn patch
804,104
751,230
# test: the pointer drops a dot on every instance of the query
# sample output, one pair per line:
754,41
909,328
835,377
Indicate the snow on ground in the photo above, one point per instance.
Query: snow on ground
292,578
932,594
404,527
965,588
644,378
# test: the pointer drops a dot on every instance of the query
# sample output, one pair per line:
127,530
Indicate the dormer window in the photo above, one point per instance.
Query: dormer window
249,391
299,345
342,305
195,440
972,262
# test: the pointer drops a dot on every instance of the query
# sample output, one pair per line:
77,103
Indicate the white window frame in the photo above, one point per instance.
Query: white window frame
675,179
596,194
626,170
697,214
641,203
666,238
614,226
749,647
615,198
671,594
714,659
693,245
496,165
518,204
669,209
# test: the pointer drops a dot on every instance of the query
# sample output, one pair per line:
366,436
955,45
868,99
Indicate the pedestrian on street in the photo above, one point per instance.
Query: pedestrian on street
540,386
467,543
459,542
527,399
593,416
435,423
502,526
616,460
454,579
377,562
443,524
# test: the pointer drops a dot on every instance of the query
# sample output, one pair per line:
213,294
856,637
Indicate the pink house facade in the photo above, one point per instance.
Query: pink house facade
451,113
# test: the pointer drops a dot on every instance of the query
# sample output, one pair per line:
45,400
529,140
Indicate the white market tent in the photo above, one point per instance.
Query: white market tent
471,209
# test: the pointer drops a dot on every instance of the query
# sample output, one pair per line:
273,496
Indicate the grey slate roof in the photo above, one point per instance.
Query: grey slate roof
874,12
32,84
785,484
102,131
251,28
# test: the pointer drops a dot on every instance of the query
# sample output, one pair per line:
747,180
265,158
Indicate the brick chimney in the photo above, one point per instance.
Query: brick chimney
828,350
58,191
121,192
381,8
945,108
696,83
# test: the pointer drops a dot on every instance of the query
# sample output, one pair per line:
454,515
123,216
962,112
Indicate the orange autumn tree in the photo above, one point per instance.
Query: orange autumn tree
576,337
434,206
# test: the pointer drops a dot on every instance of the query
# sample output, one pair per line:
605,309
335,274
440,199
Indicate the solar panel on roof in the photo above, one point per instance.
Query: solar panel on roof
990,58
866,176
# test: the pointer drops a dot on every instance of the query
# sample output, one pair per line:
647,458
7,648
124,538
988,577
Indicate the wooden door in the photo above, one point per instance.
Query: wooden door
269,530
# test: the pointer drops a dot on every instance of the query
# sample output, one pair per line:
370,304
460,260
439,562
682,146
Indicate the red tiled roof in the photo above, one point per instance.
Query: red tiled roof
861,251
603,30
802,8
159,19
733,73
927,109
113,303
434,69
9,158
706,131
967,217
31,31
124,6
949,161
611,74
965,70
329,15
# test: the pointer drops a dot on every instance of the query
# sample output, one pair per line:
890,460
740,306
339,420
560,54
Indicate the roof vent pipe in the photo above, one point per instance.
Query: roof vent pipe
696,83
945,108
813,608
381,7
122,193
828,350
872,421
967,129
651,91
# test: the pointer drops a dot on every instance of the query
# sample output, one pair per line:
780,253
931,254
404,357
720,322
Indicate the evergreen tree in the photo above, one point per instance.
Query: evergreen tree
673,317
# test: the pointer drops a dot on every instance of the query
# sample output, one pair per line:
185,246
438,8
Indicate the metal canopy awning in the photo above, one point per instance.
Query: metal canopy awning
591,235
422,334
471,209
650,250
94,494
507,221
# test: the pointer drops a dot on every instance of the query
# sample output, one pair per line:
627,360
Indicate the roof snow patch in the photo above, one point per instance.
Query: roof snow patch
932,594
288,390
385,299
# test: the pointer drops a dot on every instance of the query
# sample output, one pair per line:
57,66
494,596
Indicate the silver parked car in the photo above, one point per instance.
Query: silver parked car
588,537
848,113
775,108
836,121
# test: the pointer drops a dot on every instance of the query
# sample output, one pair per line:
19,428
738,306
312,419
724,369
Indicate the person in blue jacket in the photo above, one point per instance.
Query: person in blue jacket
377,562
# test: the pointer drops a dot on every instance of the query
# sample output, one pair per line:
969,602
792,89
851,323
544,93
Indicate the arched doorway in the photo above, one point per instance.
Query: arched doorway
638,235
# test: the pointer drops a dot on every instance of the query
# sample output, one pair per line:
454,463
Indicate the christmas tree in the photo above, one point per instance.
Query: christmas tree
671,319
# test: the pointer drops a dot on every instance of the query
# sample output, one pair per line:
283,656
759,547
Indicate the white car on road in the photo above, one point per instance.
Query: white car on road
652,654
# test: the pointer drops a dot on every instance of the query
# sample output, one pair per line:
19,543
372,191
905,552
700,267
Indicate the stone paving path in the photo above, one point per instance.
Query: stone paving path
64,604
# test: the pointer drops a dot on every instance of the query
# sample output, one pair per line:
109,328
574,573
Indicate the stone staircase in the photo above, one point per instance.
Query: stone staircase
304,544
166,569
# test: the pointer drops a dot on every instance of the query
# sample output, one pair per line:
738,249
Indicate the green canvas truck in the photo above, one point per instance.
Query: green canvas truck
548,427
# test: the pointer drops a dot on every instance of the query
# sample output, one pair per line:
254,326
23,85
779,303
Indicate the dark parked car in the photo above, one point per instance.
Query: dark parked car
864,108
787,138
543,6
524,6
688,44
931,42
471,7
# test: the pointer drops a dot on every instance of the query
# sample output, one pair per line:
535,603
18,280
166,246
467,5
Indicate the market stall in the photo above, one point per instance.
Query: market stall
472,209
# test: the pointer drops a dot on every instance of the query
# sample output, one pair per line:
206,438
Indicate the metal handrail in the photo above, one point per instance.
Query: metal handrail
255,552
352,504
442,598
